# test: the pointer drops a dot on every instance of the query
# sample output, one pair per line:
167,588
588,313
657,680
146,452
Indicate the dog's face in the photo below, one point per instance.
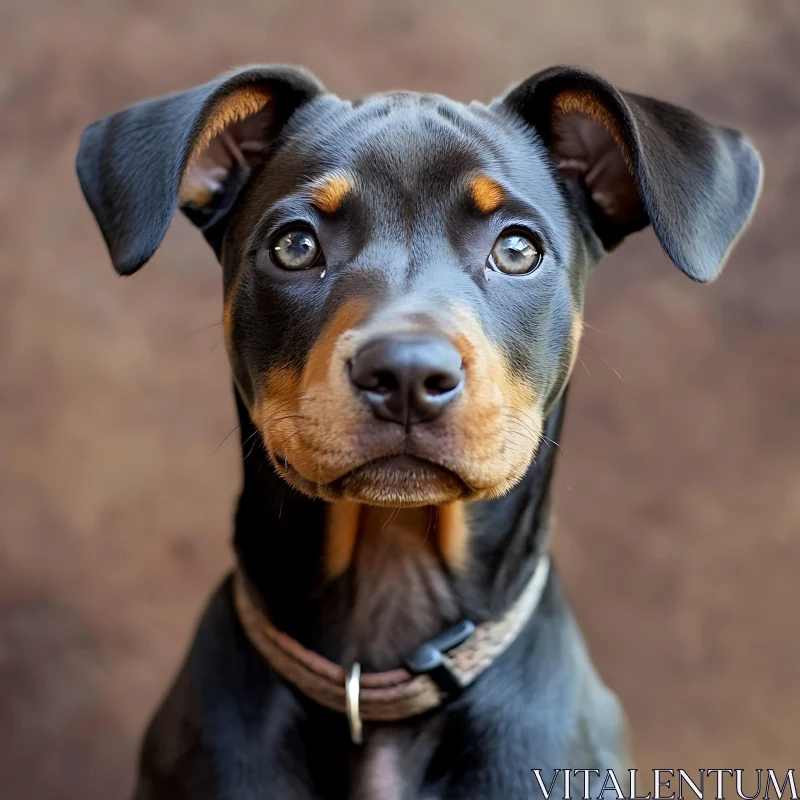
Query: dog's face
404,276
403,299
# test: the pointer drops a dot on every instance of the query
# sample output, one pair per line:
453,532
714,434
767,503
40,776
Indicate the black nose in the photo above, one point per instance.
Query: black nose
408,378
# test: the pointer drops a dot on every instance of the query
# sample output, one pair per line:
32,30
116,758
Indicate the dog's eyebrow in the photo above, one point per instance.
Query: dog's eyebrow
328,192
487,193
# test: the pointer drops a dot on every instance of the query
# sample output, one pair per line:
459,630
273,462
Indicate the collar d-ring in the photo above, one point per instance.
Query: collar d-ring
435,673
352,690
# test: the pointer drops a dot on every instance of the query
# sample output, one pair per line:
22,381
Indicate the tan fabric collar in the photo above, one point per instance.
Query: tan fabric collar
396,694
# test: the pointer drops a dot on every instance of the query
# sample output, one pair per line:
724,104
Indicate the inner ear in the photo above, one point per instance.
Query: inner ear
589,148
233,140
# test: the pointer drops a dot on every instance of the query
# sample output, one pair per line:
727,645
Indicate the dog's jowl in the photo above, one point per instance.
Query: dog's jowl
404,281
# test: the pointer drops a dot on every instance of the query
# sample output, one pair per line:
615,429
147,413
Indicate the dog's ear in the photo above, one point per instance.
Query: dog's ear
637,160
195,149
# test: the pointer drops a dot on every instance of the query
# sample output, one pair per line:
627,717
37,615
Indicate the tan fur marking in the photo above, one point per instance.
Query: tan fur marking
210,151
195,194
347,316
281,392
306,419
328,194
340,538
484,357
323,440
346,519
573,101
487,194
452,534
235,107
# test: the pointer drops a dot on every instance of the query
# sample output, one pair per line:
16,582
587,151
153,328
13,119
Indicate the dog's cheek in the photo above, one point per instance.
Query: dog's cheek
229,321
329,415
527,407
231,327
569,336
576,332
329,344
523,421
519,430
496,423
277,411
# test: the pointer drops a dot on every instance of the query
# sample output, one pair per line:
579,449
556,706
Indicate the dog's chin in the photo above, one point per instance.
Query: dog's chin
402,481
396,481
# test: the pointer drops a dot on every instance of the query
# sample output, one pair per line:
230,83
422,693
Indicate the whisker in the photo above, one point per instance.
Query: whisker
430,523
529,430
219,342
225,439
207,328
254,433
552,441
597,353
255,442
592,328
389,519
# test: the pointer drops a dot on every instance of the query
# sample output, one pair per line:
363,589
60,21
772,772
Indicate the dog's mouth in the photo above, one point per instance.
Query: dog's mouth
397,480
403,480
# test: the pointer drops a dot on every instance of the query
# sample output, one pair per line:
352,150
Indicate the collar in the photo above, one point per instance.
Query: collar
435,672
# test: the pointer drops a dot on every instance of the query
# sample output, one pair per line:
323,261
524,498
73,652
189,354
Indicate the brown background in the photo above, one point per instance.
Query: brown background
678,491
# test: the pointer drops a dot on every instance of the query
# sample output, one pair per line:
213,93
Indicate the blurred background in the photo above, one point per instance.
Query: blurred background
679,487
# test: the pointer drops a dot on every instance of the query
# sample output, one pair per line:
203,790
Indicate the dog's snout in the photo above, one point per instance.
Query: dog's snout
408,378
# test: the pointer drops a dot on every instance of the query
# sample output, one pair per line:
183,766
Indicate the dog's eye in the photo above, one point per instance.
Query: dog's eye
515,254
296,249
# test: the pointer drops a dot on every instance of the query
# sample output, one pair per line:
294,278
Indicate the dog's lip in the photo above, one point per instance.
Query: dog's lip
398,470
405,462
408,463
380,469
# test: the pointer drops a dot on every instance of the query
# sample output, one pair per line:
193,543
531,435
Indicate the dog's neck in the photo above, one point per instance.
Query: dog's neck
398,587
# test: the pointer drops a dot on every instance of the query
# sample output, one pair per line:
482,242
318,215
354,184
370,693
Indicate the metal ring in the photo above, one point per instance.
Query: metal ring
352,689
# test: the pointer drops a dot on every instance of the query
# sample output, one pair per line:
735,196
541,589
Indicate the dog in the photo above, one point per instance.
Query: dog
403,282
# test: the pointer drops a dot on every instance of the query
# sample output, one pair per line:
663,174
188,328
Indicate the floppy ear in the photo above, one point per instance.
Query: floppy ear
196,148
640,160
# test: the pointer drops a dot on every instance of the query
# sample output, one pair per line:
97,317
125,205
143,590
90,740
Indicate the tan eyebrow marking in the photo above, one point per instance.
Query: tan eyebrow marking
487,194
329,193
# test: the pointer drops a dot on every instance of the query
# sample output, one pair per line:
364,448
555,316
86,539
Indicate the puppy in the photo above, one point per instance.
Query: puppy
404,283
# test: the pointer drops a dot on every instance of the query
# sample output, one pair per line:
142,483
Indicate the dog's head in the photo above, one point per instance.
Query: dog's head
404,275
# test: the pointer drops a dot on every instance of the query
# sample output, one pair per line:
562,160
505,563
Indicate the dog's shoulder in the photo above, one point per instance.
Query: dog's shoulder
212,735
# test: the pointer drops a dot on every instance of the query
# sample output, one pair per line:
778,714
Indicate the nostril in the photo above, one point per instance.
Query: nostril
385,382
371,378
441,382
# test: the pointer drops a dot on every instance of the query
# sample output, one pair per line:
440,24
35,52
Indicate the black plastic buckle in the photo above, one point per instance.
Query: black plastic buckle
428,657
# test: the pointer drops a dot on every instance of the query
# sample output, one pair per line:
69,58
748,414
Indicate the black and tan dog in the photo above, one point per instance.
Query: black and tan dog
404,281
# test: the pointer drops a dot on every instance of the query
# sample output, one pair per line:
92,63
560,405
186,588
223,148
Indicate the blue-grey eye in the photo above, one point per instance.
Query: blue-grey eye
296,249
515,254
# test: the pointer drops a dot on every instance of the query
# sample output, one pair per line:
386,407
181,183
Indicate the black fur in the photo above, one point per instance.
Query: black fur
229,727
697,182
130,164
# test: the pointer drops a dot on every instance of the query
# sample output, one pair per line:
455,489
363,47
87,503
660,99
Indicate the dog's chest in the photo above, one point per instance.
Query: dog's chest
401,594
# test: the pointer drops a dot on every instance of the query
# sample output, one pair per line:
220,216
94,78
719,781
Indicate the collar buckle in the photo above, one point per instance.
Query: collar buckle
430,658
